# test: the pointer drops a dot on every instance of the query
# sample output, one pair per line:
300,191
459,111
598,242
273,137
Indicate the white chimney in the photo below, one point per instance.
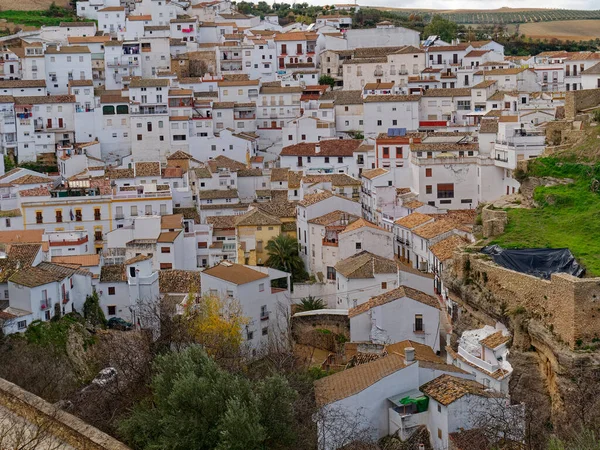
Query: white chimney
317,148
409,354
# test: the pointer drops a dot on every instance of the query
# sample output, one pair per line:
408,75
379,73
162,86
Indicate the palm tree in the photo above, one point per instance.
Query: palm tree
311,303
283,255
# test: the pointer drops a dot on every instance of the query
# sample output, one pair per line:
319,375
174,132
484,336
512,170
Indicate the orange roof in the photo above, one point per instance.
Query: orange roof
413,220
508,119
292,36
83,39
360,223
23,237
235,273
140,18
84,260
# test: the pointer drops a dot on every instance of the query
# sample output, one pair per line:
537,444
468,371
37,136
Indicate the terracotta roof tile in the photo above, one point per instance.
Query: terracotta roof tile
113,273
222,222
147,169
217,193
168,237
235,273
495,340
256,217
178,281
83,260
373,173
365,265
446,389
360,223
413,220
444,249
356,379
330,147
171,221
431,230
136,259
395,294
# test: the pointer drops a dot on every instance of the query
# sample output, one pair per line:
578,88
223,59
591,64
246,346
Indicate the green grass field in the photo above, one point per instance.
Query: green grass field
35,18
568,215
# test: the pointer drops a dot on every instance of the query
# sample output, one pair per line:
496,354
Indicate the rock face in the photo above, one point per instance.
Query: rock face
542,360
528,187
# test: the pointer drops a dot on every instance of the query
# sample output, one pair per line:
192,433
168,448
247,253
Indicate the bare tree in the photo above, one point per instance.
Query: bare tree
31,433
338,426
497,421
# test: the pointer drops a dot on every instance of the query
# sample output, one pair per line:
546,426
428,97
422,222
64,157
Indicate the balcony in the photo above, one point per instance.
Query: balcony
97,217
45,304
402,240
330,243
119,217
264,315
66,298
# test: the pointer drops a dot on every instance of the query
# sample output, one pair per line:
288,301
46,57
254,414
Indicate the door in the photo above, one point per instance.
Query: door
281,63
49,125
298,49
60,123
283,49
439,59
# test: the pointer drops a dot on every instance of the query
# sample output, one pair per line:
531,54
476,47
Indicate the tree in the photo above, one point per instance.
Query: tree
196,404
326,79
216,323
441,27
92,311
311,303
283,255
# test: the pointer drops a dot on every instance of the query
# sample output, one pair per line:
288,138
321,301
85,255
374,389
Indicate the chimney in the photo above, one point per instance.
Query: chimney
409,354
317,148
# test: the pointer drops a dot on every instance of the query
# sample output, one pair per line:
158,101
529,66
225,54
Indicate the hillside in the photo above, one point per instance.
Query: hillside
567,215
30,5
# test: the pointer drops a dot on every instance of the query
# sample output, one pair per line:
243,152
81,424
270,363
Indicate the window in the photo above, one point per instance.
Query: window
428,172
330,273
445,190
39,218
139,137
22,324
166,266
463,105
386,152
428,189
7,221
418,322
398,152
261,287
165,249
379,123
111,290
384,285
134,211
78,215
340,159
358,245
439,408
97,215
249,335
439,433
148,210
112,310
265,331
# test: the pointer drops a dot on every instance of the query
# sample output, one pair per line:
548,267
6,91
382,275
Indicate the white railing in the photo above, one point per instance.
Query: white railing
477,361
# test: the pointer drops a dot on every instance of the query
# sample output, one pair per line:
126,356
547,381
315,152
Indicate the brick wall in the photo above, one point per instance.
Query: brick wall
576,101
567,305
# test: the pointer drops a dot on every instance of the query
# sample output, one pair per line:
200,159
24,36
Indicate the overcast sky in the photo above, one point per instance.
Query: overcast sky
472,4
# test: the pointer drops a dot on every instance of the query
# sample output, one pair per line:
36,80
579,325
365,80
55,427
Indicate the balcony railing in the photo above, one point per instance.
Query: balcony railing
264,316
402,240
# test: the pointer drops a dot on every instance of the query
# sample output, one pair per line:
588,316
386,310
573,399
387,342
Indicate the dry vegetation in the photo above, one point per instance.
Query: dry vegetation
30,5
574,30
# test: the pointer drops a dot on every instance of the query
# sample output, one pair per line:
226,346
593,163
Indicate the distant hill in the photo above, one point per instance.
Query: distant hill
30,5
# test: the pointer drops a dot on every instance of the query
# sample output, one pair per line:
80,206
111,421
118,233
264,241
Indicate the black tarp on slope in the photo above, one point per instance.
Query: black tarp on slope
539,262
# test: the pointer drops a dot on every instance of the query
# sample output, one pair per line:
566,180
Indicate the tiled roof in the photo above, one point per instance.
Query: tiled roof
172,172
171,221
279,208
373,173
217,193
137,259
413,220
495,340
392,98
330,147
365,265
115,174
180,154
34,276
395,294
360,223
147,169
138,82
235,273
190,213
40,99
294,179
75,83
254,172
8,84
223,162
511,71
168,236
178,281
311,199
35,192
333,217
279,174
31,179
431,230
342,97
336,179
446,389
456,92
113,273
67,49
424,354
488,126
222,222
351,381
203,172
83,260
444,249
256,217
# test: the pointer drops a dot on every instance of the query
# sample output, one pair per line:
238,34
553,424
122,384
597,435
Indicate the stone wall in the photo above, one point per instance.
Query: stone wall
568,306
310,330
493,221
52,425
576,101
